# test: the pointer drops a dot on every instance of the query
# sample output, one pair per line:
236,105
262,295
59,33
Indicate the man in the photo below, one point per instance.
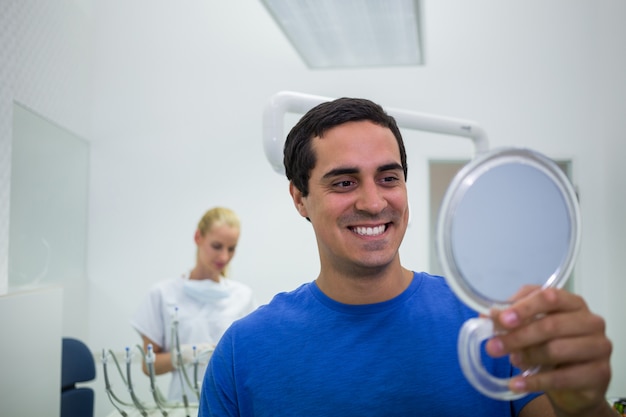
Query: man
371,338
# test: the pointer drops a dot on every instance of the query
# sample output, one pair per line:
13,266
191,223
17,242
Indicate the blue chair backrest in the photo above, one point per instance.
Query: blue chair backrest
77,365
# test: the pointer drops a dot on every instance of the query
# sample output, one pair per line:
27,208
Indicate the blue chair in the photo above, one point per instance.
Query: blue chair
77,365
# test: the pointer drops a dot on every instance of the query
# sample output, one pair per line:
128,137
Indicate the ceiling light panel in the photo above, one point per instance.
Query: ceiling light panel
351,33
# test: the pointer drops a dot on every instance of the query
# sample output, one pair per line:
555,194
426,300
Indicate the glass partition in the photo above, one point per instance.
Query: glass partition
48,203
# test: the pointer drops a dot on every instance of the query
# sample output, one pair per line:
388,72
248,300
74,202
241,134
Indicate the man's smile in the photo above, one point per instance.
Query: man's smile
369,230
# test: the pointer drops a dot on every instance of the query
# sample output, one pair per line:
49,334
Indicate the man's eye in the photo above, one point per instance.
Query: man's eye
344,183
389,179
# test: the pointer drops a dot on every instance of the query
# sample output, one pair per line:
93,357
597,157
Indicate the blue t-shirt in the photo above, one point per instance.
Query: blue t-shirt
305,354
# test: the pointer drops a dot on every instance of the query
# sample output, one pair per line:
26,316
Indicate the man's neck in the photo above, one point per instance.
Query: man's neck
364,288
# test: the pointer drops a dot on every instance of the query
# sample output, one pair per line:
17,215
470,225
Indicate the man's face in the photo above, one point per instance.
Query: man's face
357,200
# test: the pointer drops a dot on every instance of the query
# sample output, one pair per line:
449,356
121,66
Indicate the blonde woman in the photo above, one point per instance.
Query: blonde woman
203,301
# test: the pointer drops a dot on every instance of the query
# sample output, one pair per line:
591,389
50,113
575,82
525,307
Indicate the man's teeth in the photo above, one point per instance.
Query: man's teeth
369,231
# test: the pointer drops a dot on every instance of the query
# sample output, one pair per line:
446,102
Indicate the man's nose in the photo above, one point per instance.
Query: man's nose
370,198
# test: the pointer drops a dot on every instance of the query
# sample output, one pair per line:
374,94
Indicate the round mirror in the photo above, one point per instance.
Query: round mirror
509,218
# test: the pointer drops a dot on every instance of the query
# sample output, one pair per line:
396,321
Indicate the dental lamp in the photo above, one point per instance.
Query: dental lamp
292,102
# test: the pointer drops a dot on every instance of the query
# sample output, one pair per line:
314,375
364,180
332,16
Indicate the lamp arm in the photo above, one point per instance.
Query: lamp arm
444,125
292,102
273,114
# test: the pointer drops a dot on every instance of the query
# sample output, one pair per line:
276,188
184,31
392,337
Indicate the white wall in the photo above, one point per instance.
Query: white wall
611,126
44,65
174,120
26,367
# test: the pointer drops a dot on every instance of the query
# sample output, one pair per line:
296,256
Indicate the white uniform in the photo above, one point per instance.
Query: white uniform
200,319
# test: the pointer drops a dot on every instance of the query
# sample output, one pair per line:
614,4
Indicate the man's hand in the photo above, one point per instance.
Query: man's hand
554,330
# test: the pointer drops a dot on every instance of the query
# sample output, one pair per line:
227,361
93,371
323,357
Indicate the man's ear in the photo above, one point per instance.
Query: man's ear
296,195
197,236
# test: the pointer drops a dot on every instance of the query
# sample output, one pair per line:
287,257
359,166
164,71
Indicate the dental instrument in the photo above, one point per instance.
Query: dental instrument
107,384
179,361
138,404
161,405
149,359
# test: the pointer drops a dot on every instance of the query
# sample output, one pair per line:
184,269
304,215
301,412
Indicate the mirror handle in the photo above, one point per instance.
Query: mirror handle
471,337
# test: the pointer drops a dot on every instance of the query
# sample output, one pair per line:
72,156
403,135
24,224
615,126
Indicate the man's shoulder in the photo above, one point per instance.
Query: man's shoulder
281,305
427,281
434,290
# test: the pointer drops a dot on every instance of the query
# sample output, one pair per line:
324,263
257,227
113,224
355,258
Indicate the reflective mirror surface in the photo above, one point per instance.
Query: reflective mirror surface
510,218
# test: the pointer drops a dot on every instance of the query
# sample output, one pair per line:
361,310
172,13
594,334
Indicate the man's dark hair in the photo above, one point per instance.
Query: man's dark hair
298,156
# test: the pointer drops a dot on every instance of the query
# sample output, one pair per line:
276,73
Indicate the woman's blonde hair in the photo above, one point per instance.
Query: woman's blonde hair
218,216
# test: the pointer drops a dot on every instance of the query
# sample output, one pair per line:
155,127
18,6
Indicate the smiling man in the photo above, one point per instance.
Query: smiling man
369,337
358,207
